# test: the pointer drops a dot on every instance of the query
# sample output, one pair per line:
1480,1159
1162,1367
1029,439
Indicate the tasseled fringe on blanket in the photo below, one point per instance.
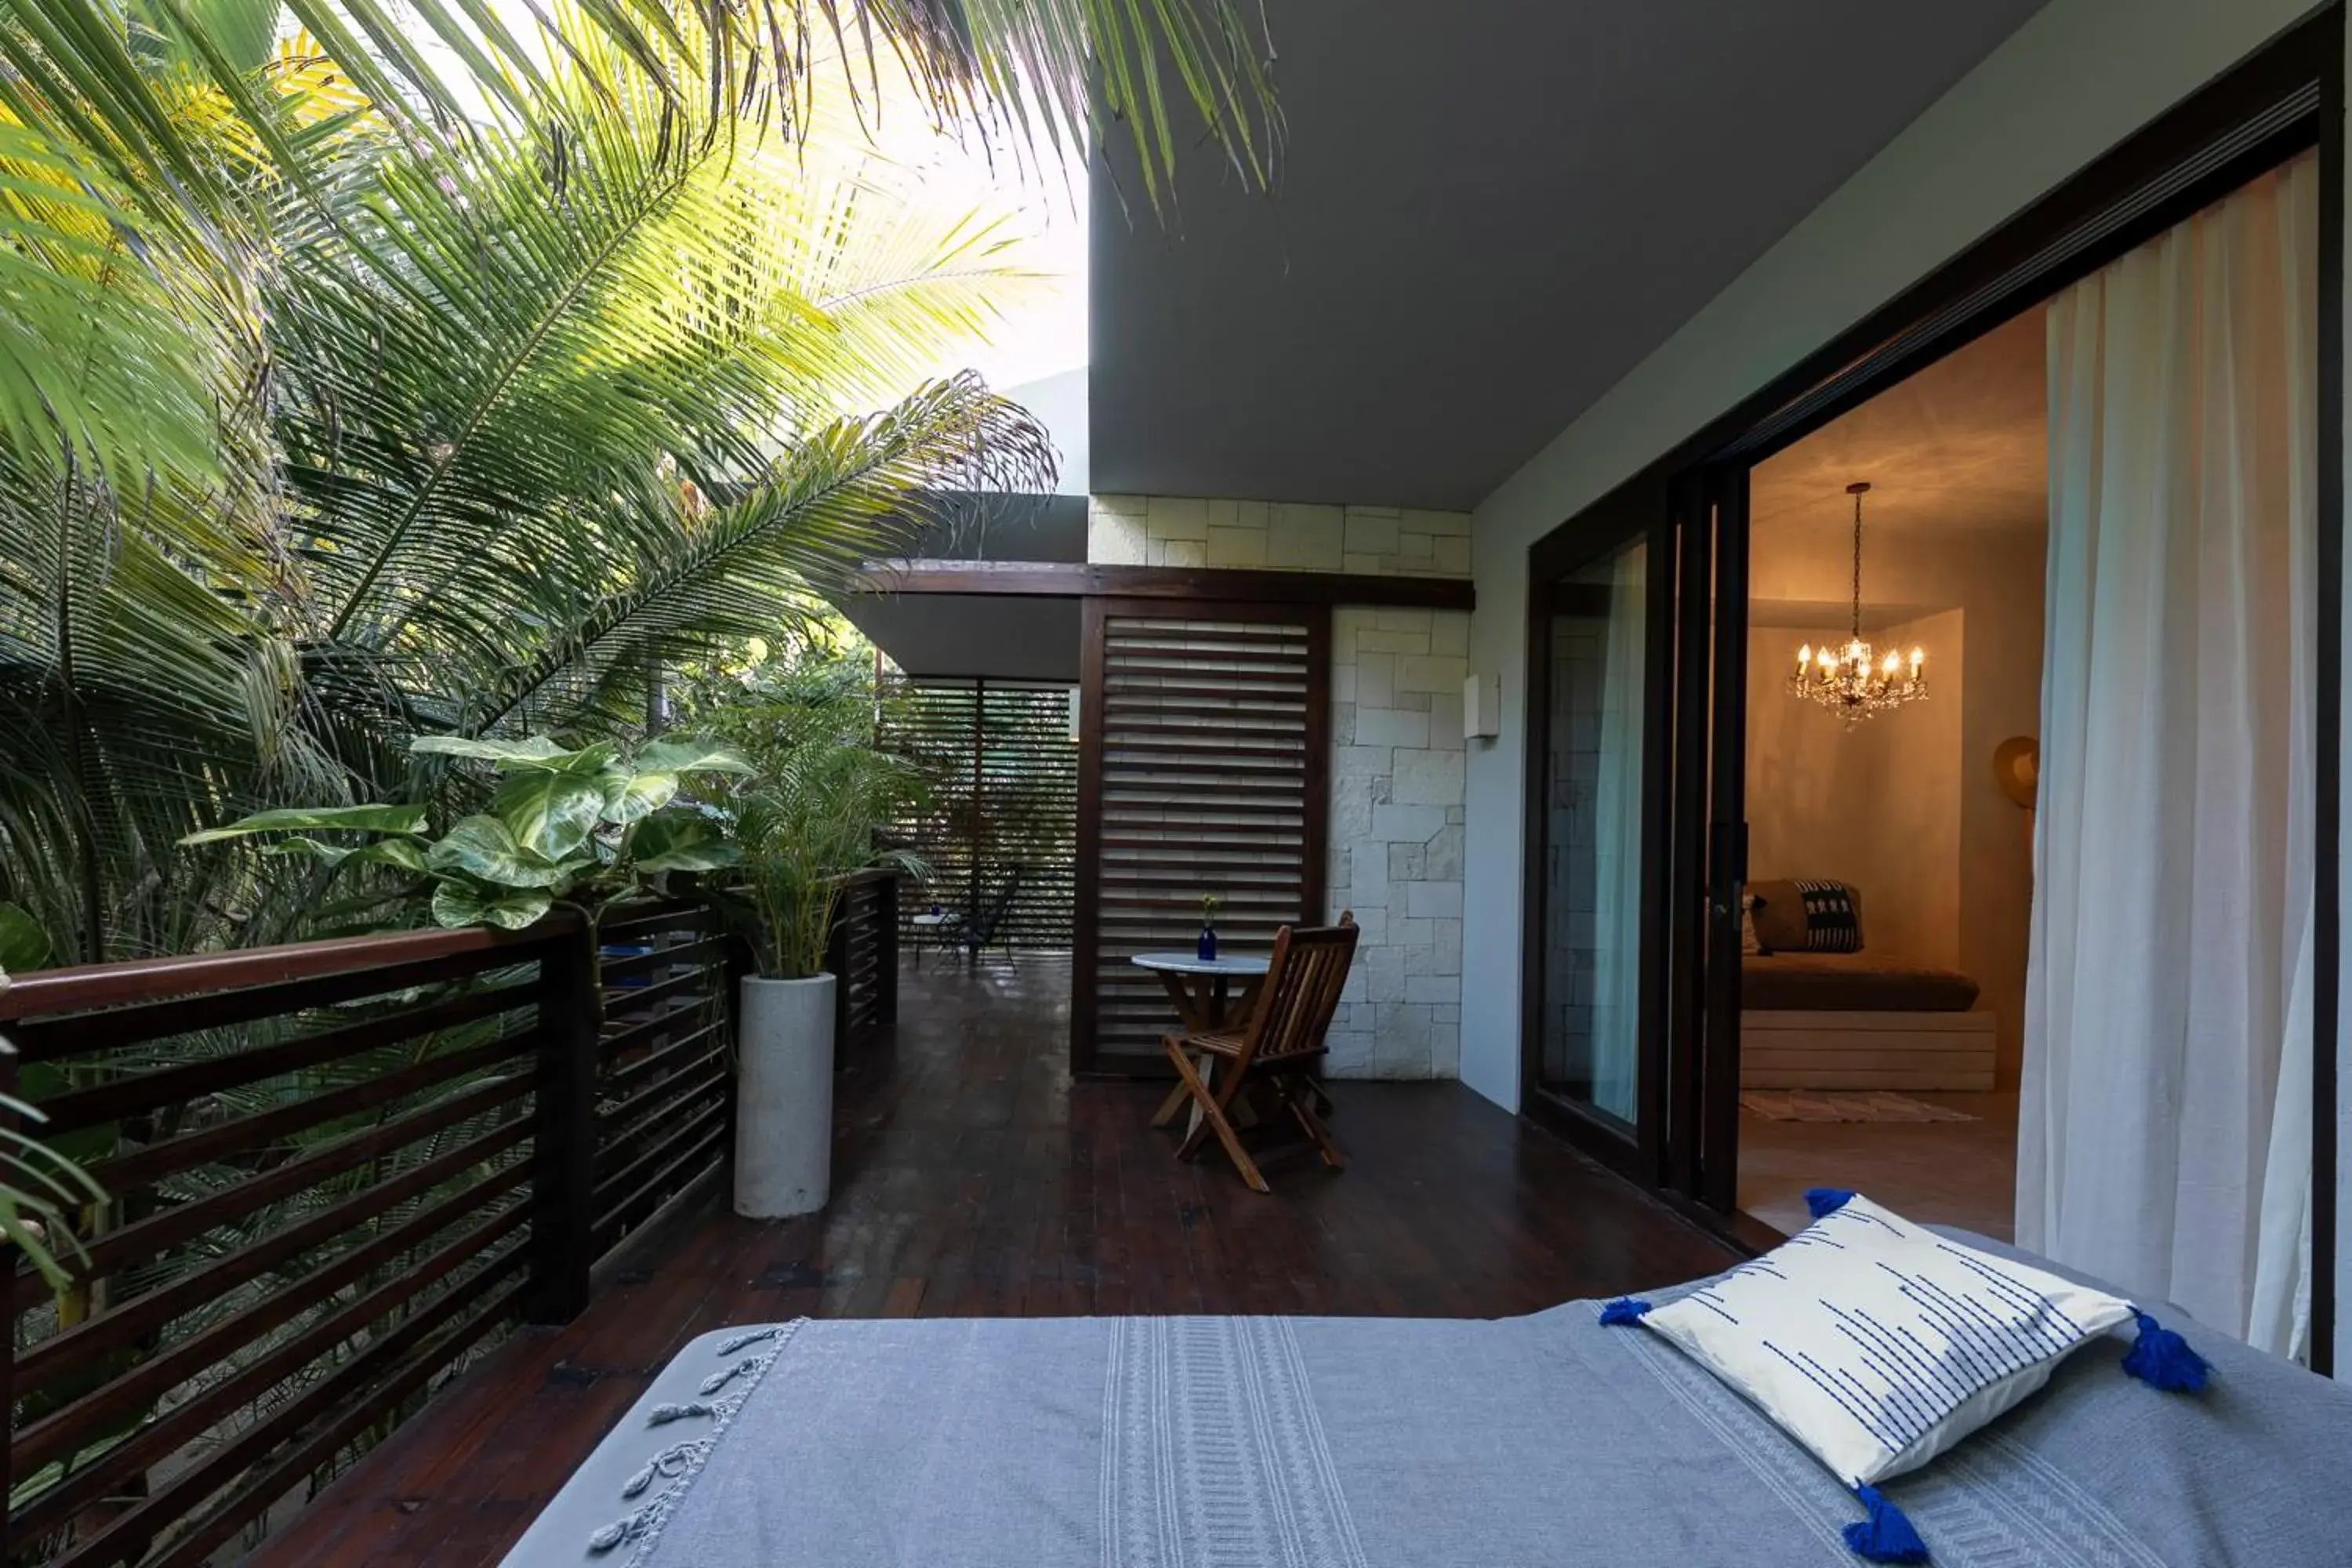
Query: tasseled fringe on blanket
720,1379
663,1415
622,1530
676,1463
671,1462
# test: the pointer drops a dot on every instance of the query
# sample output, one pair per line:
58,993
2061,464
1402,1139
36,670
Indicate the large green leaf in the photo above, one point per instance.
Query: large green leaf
636,787
456,903
549,813
538,752
24,945
483,848
404,854
629,796
677,841
691,757
353,818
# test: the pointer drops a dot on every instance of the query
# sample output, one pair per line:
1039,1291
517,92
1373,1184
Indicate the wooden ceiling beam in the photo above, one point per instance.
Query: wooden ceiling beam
1082,579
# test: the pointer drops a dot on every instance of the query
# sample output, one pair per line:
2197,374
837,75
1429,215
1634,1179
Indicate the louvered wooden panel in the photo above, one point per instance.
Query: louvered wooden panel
1204,772
1005,784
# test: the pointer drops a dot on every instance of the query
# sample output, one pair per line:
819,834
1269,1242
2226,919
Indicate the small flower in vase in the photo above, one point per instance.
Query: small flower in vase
1208,945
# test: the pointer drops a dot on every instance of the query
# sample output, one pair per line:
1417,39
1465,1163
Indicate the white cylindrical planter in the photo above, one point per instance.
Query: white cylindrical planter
783,1098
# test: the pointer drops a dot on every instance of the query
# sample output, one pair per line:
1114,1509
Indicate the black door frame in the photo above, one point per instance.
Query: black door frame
2284,99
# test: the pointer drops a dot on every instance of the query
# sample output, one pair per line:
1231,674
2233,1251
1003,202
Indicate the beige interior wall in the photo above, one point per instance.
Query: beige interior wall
1906,807
1877,805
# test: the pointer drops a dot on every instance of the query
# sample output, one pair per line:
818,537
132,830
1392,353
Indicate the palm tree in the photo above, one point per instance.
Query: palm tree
357,382
501,412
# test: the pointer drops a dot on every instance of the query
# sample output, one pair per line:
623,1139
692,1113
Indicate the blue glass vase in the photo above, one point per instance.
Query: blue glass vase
1206,949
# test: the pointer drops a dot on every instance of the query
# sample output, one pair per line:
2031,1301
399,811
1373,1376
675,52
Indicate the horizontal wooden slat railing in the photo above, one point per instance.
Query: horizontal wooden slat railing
666,1099
863,955
334,1173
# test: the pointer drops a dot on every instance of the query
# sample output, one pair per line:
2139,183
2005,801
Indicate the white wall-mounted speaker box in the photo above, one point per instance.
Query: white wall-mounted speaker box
1482,707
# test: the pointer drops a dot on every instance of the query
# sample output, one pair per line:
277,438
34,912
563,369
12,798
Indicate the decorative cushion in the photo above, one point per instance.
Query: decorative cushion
1877,1345
1751,944
1807,915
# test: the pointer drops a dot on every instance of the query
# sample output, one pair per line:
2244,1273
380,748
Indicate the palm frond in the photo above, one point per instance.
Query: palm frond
839,497
96,362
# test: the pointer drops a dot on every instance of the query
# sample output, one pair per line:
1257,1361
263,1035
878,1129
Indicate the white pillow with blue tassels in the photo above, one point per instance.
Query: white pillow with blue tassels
1878,1345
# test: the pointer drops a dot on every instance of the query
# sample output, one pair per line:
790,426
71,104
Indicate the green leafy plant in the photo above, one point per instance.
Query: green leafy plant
40,1191
23,943
40,1187
459,374
823,793
585,824
808,820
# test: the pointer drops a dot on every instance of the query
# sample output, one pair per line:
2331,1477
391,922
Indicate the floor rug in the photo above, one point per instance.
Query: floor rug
1844,1105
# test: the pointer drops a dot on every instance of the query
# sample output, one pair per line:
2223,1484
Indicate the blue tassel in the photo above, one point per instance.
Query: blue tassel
1886,1536
2162,1359
1624,1309
1822,1202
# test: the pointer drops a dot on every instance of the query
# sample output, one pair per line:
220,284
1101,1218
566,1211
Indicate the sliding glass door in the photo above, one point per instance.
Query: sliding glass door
1637,620
1597,681
1589,1050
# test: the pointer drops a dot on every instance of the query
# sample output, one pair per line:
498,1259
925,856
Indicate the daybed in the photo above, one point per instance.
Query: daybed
1849,1019
1535,1442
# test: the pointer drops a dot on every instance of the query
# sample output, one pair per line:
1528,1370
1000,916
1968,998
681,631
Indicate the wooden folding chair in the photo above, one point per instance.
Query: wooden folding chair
1282,1039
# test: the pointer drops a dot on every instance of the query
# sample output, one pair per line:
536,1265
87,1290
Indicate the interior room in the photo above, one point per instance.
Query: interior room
1883,1052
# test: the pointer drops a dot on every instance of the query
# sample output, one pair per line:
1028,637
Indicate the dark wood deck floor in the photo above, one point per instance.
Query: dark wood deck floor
971,1178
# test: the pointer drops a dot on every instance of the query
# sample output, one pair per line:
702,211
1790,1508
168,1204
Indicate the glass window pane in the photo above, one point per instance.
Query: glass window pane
1592,861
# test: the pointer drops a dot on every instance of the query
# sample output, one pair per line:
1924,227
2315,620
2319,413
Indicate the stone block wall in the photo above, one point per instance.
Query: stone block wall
1396,818
1276,536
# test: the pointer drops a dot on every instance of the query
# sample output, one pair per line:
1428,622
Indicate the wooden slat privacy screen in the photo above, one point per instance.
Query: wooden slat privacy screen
334,1170
1204,769
1005,794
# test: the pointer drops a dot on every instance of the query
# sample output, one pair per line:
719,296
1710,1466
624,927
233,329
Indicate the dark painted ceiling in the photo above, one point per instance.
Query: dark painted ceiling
1490,211
967,635
995,637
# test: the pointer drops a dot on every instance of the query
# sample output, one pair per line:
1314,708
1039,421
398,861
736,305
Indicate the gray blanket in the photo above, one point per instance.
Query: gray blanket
1365,1442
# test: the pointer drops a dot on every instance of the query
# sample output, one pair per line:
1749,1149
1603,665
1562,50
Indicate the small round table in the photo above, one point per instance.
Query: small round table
938,927
1201,988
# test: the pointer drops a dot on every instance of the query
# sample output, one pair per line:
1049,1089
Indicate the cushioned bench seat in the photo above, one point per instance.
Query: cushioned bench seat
1849,983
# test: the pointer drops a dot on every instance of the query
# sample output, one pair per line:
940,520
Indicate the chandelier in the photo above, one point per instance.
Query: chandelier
1853,681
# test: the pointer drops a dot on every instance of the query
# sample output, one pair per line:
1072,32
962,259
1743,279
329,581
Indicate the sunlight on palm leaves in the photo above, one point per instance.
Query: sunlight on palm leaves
502,376
420,371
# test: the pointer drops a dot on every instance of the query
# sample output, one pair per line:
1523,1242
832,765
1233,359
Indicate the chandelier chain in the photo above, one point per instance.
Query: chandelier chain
1857,565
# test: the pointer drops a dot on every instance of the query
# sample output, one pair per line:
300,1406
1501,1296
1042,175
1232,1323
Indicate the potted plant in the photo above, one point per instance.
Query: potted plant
808,818
581,826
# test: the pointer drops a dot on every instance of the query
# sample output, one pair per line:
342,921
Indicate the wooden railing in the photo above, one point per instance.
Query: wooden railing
863,954
334,1171
666,1094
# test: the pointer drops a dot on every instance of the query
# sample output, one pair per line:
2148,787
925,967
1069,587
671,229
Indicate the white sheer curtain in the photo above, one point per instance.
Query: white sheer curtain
2163,1137
1617,855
